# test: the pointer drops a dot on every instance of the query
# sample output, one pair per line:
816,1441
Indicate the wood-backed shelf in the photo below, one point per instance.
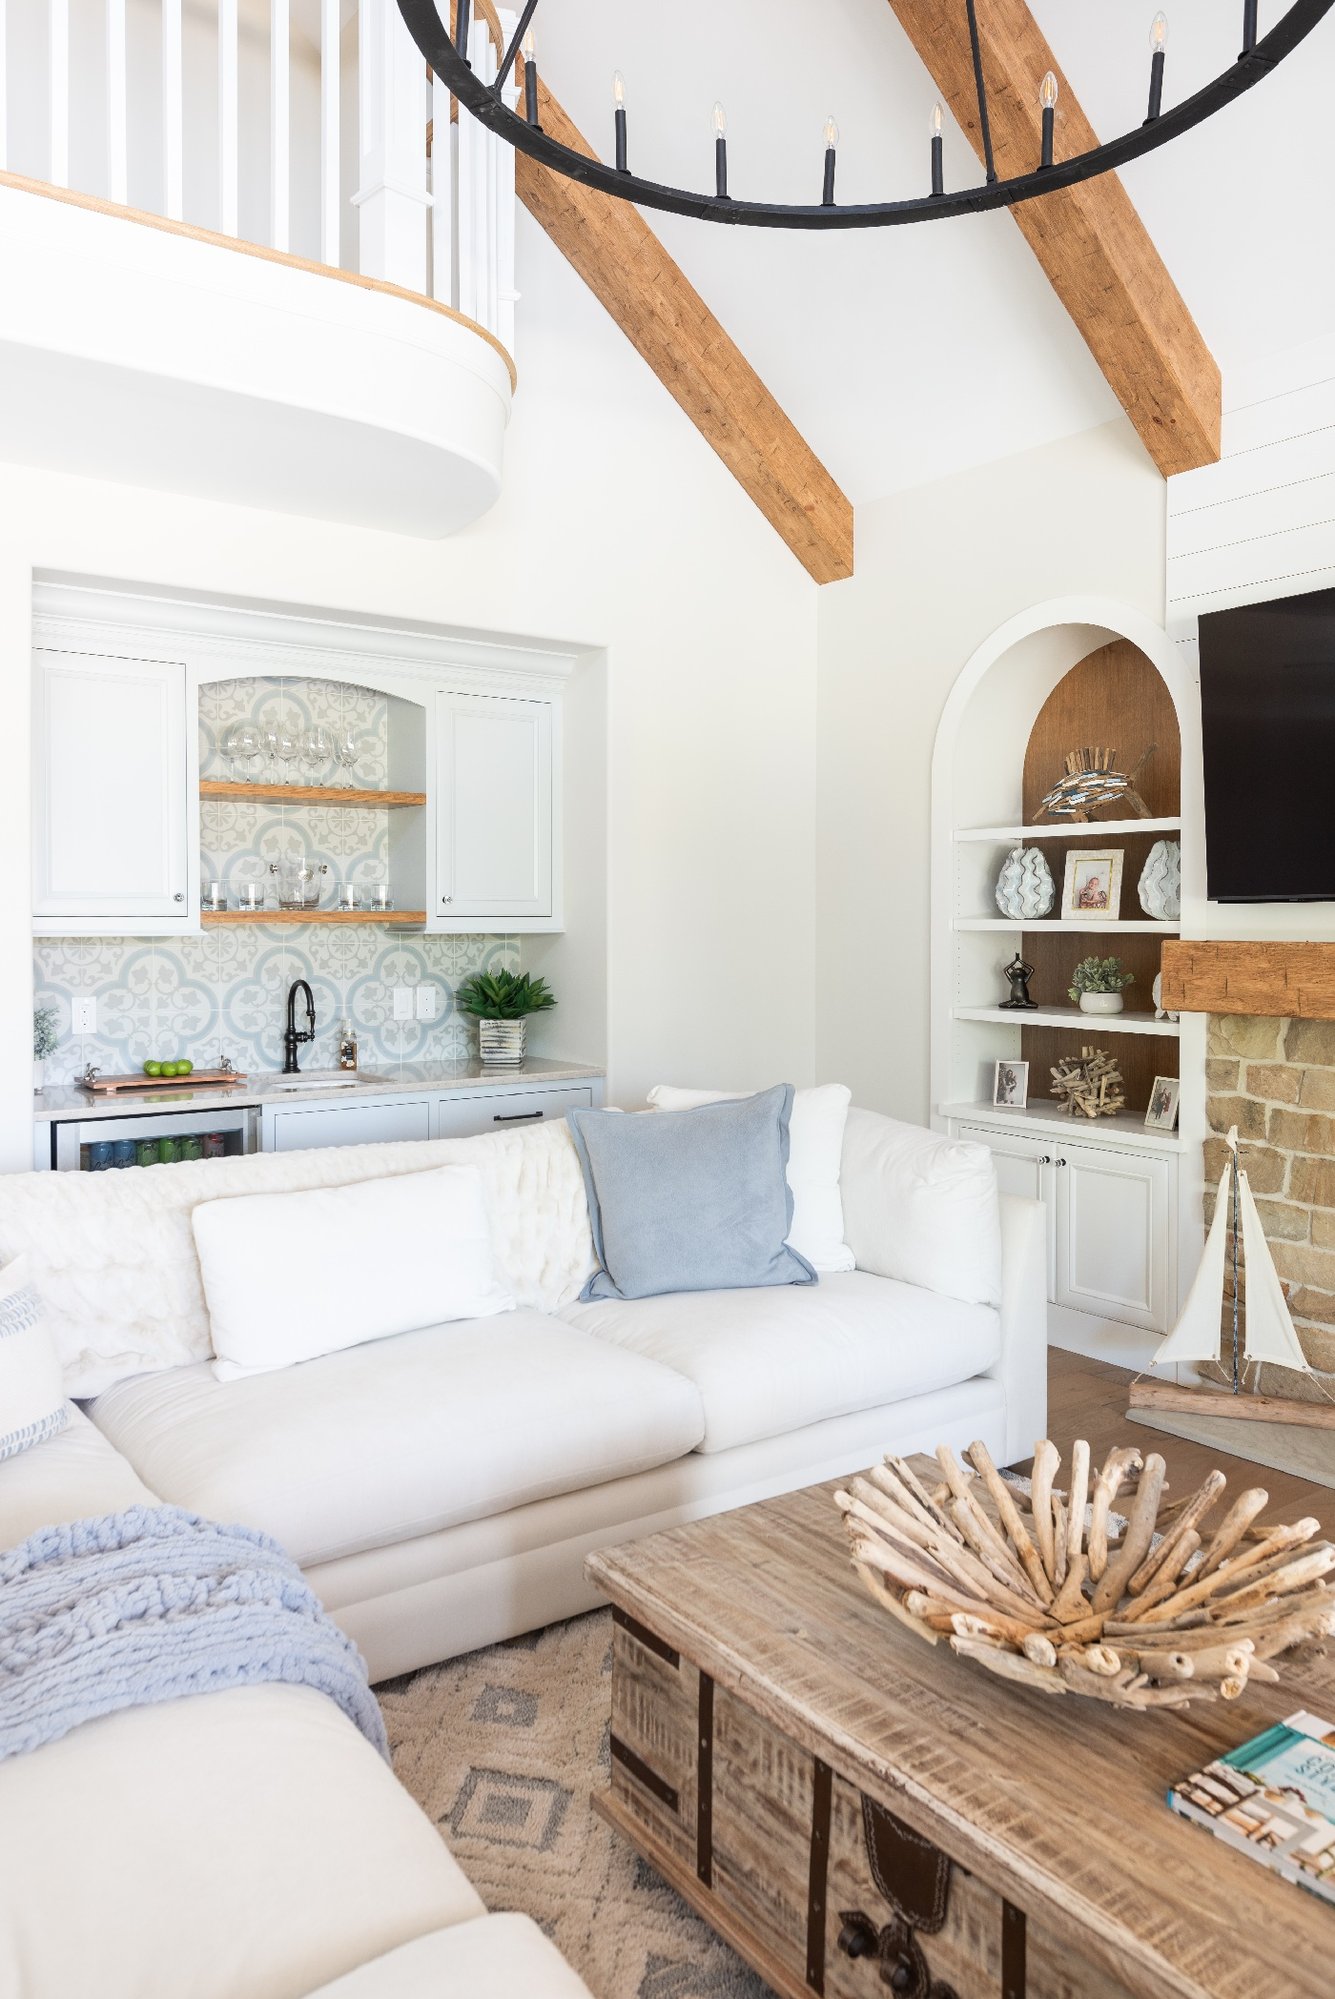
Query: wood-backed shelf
1143,926
1066,829
306,794
403,917
1071,1016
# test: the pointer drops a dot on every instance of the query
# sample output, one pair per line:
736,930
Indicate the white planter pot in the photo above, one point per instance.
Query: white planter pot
1100,1002
501,1042
38,1071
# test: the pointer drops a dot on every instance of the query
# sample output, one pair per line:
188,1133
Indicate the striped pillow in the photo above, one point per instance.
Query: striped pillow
32,1391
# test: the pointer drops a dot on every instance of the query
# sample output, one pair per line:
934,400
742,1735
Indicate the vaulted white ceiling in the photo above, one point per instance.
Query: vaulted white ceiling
906,354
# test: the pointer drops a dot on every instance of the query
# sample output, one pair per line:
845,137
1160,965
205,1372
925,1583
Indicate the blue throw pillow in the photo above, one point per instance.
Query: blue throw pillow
690,1200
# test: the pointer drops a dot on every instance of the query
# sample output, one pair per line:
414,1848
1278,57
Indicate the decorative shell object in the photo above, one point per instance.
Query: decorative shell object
1161,882
1156,1605
1025,887
1160,1010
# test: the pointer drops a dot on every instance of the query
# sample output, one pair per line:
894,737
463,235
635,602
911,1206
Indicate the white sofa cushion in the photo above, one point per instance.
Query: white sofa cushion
289,1277
32,1391
766,1362
499,1957
91,1237
922,1208
379,1443
815,1147
72,1476
248,1842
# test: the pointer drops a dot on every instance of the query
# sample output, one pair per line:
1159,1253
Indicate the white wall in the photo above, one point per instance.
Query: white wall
939,569
619,529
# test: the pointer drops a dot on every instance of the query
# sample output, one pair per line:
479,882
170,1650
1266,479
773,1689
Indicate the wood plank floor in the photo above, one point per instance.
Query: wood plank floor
1087,1398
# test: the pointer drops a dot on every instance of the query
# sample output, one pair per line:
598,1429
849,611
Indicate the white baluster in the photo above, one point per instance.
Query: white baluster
227,117
58,42
4,81
117,168
392,198
442,194
330,206
279,126
470,175
172,178
505,247
493,218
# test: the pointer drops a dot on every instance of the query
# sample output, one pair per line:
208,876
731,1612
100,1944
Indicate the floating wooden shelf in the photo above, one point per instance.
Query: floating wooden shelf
306,794
1092,1024
262,916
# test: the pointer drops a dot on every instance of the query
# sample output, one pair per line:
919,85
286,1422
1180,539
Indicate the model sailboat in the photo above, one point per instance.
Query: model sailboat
1262,1327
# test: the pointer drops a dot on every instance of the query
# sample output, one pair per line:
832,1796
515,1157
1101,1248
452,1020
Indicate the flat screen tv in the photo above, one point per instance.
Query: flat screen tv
1268,715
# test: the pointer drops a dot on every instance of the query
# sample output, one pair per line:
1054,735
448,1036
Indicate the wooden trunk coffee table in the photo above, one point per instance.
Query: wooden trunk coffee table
856,1811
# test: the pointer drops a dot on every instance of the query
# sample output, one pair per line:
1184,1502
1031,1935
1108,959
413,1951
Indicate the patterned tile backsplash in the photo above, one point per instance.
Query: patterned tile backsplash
223,994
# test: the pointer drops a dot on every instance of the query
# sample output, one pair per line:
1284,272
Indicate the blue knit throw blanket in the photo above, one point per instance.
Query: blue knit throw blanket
153,1604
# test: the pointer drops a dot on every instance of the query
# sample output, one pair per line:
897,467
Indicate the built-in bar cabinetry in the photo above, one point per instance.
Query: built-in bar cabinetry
1122,1211
473,788
300,1127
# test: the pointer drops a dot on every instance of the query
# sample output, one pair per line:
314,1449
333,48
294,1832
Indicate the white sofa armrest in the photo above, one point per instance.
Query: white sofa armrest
1022,1367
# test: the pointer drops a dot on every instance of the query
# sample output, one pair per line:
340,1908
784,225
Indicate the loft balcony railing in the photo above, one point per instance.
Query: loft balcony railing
307,128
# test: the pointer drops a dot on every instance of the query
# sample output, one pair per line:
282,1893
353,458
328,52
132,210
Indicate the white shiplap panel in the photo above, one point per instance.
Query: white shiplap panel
1289,415
1276,509
1250,571
1289,461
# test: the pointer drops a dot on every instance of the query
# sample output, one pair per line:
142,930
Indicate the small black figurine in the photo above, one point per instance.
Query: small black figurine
1019,975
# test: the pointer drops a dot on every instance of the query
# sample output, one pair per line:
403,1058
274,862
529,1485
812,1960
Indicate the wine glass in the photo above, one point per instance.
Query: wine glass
346,752
317,748
243,742
284,746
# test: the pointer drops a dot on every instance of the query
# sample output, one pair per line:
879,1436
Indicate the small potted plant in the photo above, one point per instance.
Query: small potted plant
1097,985
500,1003
44,1039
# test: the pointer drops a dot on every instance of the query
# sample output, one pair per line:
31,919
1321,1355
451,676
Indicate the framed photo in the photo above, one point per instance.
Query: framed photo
1164,1097
1010,1086
1092,890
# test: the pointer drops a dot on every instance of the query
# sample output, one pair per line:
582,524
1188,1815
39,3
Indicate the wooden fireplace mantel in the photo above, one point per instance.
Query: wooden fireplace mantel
1264,976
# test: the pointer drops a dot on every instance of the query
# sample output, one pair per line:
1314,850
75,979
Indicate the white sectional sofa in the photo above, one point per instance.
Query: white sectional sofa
441,1490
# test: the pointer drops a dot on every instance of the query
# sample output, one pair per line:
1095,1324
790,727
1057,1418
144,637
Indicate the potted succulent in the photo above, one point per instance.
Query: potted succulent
500,1003
44,1039
1097,985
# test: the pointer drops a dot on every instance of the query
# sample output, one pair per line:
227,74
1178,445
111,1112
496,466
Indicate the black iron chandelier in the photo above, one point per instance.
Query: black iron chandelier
486,100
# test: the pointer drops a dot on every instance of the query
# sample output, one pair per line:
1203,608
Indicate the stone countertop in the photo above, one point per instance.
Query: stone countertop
61,1101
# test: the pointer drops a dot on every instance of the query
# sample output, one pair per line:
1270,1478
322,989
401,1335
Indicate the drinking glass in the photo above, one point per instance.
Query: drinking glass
284,747
345,750
317,748
241,744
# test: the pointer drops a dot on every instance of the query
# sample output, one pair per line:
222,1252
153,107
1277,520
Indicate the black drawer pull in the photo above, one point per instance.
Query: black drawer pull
518,1117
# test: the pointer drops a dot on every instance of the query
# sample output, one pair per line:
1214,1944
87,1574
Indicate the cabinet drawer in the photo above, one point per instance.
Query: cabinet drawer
303,1127
508,1110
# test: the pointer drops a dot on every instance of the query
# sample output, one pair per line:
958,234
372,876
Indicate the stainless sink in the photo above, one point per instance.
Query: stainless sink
324,1079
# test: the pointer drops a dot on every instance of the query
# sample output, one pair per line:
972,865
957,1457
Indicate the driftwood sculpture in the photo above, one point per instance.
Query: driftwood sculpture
1090,1084
1093,780
1143,1609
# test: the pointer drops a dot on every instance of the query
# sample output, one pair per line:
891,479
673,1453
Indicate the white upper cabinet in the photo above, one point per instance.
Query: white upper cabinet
496,812
111,833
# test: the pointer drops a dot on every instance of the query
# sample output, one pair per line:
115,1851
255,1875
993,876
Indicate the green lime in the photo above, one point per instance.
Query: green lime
152,1068
170,1068
184,1068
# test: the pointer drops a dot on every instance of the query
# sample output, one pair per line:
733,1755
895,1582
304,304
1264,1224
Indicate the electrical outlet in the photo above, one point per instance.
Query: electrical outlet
403,1002
426,1002
83,1016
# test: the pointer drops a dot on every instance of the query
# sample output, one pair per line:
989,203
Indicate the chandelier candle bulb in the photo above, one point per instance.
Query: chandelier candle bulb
1248,27
461,27
619,118
719,120
938,151
530,80
1047,98
1158,37
831,146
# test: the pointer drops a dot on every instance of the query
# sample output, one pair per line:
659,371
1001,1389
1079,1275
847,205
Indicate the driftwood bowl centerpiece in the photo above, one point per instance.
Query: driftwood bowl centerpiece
1144,1607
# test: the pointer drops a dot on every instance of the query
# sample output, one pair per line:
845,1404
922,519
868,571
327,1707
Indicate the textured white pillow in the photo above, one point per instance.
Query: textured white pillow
291,1276
922,1207
32,1392
815,1145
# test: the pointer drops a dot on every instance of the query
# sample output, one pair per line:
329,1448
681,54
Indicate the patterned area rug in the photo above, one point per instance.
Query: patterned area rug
502,1749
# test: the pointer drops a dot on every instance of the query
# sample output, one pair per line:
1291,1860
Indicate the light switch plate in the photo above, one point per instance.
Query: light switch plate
426,1001
403,1002
83,1015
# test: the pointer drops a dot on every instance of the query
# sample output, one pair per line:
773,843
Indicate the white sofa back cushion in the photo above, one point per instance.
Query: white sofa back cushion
922,1208
815,1144
32,1394
289,1277
113,1254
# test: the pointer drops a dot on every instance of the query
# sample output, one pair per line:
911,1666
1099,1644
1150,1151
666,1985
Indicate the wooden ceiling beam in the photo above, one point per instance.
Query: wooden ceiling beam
1089,239
658,309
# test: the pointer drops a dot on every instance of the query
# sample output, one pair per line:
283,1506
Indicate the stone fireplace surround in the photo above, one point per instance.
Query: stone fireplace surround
1270,1070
